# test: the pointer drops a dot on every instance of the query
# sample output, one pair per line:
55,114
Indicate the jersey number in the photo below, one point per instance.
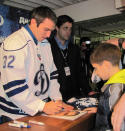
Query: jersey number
8,60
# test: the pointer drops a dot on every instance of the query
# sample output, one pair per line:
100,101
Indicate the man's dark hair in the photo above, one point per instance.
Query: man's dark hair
106,51
42,12
63,19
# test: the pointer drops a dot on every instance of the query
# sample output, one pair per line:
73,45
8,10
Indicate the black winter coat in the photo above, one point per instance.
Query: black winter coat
76,84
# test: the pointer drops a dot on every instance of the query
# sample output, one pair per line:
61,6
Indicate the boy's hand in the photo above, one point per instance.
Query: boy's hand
91,109
92,93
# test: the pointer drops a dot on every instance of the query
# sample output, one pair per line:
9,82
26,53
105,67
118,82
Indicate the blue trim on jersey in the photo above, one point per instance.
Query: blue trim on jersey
44,42
13,83
54,73
30,32
12,111
16,91
3,100
53,77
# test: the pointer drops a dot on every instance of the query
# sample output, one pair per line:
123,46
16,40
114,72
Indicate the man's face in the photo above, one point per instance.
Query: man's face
102,70
64,31
44,30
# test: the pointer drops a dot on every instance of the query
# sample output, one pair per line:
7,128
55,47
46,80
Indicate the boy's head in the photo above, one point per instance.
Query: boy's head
105,59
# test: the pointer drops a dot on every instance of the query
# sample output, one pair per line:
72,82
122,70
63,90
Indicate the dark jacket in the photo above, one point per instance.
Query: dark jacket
75,84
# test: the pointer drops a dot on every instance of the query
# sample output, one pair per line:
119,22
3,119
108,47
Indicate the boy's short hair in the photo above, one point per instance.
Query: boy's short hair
106,51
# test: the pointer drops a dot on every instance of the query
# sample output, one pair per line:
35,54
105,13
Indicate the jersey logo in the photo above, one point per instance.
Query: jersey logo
40,78
39,56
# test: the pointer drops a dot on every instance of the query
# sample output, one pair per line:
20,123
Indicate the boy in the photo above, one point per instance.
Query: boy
105,60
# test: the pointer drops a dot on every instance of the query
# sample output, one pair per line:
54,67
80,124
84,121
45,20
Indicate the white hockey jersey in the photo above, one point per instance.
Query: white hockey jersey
28,75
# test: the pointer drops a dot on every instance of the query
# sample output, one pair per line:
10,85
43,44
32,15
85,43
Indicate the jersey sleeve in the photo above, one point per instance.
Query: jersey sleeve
54,91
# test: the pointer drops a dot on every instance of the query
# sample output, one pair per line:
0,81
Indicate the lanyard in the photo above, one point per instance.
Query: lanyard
65,54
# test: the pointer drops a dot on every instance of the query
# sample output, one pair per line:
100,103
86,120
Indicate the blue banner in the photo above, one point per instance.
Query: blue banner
11,19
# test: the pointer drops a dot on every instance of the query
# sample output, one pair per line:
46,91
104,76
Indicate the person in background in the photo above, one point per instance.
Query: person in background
85,52
66,56
105,60
28,73
118,114
120,44
85,55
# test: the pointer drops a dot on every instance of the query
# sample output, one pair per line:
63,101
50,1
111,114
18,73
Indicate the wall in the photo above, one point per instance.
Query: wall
89,10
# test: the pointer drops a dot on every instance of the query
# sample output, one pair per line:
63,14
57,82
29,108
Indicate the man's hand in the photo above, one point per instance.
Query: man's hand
64,106
67,107
118,114
52,107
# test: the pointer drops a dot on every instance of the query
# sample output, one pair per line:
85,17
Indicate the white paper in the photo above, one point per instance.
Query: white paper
68,117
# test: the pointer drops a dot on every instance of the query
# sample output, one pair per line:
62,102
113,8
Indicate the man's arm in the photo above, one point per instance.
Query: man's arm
54,92
118,114
54,89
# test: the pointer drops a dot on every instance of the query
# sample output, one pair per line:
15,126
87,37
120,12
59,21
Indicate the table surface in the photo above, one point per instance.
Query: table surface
84,123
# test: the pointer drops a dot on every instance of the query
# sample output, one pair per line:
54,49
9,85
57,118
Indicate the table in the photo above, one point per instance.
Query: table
84,123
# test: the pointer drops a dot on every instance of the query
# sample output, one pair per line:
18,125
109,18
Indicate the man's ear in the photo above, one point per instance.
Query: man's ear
33,21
